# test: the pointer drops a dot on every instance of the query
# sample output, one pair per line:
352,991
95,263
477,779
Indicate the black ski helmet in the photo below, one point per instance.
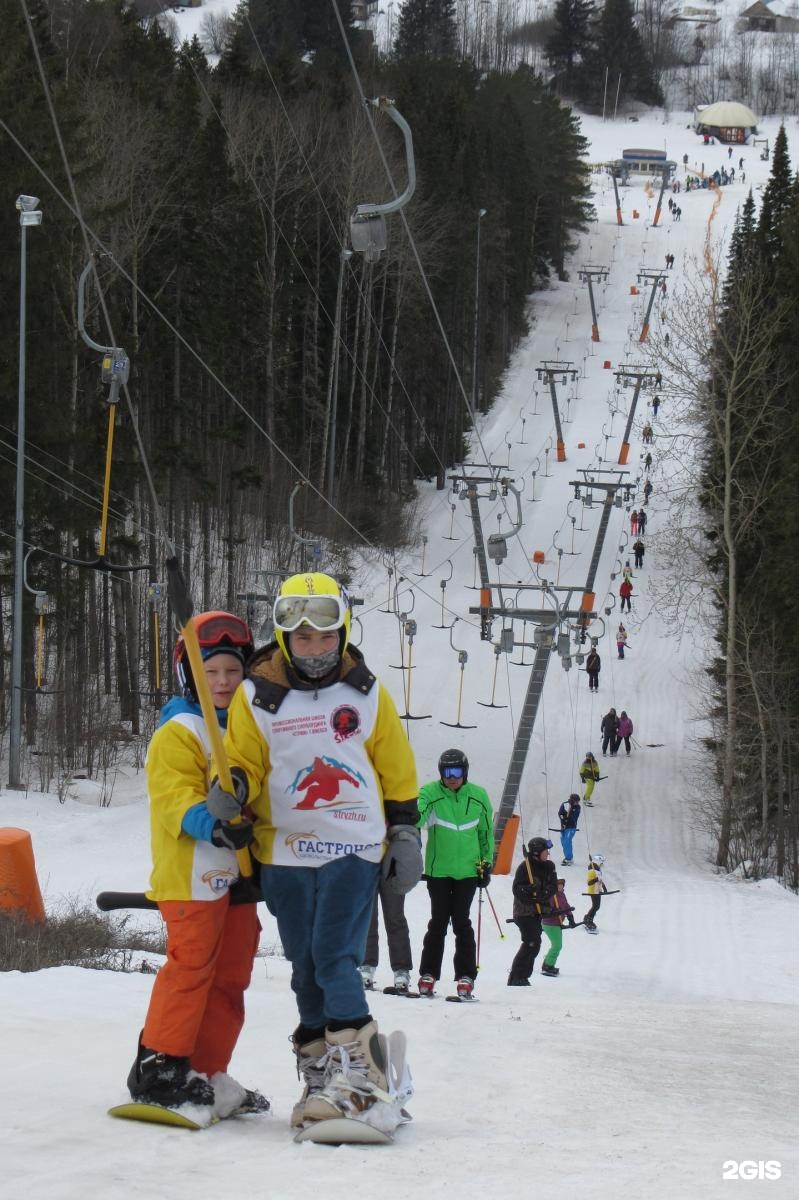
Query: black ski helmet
536,845
454,758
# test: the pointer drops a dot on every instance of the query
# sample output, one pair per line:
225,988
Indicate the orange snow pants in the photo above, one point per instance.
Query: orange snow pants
197,1004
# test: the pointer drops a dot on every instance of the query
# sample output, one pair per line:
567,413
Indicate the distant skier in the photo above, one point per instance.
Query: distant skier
534,886
627,571
623,733
648,462
634,522
553,927
596,889
589,773
642,521
655,404
648,490
646,437
626,591
639,550
608,729
621,640
568,815
593,665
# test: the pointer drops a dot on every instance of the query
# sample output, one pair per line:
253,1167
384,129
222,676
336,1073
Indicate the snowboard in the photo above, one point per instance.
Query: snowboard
393,991
159,1114
343,1131
593,931
462,1000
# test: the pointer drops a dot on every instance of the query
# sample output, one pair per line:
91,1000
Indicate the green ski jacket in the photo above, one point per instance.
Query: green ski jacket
459,829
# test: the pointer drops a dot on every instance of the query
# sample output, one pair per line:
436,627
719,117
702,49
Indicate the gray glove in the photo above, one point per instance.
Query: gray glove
221,804
402,863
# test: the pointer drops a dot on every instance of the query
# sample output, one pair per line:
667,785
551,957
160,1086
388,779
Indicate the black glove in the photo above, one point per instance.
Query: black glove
402,863
232,837
483,874
221,804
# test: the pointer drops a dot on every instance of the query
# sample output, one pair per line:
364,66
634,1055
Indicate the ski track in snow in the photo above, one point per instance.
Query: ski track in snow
667,1044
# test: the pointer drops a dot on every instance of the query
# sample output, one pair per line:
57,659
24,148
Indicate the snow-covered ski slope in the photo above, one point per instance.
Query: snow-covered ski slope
665,1049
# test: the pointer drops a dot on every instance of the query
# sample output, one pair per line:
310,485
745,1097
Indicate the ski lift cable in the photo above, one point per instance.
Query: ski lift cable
415,250
187,345
290,247
334,229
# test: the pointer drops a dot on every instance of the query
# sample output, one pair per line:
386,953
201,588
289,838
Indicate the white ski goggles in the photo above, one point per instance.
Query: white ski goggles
320,612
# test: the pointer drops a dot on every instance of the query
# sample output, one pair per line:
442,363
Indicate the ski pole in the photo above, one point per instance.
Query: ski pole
479,924
496,918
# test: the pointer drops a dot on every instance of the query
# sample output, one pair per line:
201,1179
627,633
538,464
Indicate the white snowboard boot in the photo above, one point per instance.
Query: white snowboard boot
312,1069
367,974
368,1079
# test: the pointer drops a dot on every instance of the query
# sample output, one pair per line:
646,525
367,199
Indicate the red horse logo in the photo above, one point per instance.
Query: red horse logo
321,783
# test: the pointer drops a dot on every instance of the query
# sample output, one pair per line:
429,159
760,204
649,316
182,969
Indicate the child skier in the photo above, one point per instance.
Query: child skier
596,889
593,665
626,591
196,1008
534,885
589,773
623,733
322,756
621,639
553,928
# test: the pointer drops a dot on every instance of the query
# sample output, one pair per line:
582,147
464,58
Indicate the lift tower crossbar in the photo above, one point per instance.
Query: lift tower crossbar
587,275
637,377
548,372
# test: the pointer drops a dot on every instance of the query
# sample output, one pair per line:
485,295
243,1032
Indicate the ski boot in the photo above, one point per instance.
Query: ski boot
367,974
566,862
546,969
518,982
167,1079
426,985
402,982
465,987
310,1049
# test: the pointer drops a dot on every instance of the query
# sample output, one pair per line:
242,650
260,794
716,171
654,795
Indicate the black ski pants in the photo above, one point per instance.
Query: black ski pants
523,963
399,943
593,680
450,901
592,912
639,559
608,739
617,741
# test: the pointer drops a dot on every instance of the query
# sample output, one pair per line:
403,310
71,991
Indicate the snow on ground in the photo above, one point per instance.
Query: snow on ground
665,1047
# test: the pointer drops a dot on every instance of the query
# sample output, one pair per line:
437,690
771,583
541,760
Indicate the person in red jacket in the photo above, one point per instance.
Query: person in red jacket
626,591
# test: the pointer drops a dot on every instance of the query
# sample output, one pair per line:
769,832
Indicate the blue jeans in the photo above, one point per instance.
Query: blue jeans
566,839
323,916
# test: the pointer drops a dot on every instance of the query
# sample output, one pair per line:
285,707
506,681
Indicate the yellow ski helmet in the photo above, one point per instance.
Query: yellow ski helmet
313,599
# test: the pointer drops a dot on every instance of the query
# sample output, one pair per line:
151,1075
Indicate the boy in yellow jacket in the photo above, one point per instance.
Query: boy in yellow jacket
331,780
196,1008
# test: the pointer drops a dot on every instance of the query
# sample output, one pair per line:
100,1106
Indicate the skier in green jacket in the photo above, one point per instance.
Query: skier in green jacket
458,818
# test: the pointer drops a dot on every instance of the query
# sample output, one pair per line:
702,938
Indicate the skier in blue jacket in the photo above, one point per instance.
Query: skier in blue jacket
569,815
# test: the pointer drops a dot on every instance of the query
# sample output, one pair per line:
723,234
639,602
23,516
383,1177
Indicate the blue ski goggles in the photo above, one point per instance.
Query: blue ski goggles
452,772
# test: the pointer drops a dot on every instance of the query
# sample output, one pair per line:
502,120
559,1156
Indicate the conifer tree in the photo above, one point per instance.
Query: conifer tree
777,197
426,29
617,56
571,36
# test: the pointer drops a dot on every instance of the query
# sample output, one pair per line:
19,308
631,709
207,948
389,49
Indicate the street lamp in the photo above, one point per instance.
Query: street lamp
28,215
481,213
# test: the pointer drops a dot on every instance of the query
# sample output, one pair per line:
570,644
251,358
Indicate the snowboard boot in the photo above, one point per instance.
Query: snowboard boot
311,1057
566,862
546,969
166,1079
402,981
367,974
426,985
356,1075
465,986
518,982
232,1098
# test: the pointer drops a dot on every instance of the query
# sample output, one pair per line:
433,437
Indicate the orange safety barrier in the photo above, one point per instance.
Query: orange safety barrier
633,290
606,365
636,214
19,887
539,556
625,450
561,452
507,845
581,445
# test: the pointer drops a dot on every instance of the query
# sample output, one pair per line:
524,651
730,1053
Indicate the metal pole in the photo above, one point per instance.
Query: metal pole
480,215
15,740
346,255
